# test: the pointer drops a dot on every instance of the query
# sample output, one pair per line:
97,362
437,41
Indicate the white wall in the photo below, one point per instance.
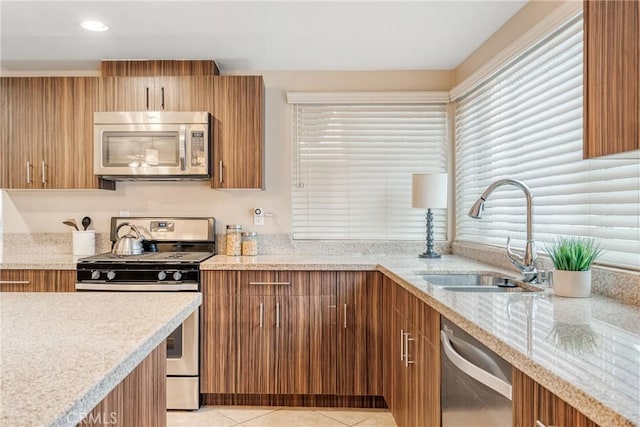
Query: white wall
43,211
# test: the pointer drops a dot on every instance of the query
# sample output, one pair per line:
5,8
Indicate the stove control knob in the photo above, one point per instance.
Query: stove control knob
177,276
111,275
162,275
95,275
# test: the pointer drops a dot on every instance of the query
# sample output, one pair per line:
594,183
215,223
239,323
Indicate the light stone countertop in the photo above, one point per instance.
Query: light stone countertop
586,351
37,261
62,353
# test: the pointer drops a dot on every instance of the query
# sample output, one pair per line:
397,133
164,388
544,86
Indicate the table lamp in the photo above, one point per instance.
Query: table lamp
429,191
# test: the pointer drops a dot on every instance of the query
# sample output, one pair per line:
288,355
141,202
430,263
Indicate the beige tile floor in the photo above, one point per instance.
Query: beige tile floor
251,416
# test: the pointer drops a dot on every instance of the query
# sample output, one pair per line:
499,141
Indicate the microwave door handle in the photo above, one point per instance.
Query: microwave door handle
183,148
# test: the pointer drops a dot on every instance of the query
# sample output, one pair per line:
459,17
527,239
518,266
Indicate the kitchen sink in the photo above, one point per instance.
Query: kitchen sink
483,289
468,280
473,283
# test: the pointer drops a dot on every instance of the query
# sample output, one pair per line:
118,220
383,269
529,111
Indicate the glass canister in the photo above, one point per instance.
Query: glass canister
249,243
234,239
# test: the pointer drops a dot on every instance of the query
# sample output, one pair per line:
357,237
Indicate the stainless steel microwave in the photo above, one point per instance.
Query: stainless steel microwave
152,145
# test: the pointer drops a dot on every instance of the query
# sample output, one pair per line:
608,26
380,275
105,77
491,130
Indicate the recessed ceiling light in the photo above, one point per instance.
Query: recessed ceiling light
94,25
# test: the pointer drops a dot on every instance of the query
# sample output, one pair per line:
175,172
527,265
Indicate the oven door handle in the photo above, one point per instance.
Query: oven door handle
136,287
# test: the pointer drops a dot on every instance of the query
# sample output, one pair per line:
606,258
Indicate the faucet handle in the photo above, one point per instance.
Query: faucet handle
514,257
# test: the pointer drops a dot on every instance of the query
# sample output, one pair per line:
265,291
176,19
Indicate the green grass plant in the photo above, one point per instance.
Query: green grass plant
573,253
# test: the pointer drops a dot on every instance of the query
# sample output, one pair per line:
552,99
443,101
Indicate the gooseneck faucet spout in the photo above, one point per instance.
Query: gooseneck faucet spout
525,263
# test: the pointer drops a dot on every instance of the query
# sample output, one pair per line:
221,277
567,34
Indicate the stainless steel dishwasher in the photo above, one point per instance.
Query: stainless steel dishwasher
476,382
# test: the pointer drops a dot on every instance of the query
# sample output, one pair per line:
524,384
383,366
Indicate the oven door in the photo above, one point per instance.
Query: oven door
182,348
183,381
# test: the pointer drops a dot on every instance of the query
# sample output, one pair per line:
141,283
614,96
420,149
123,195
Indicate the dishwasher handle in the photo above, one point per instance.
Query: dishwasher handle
472,370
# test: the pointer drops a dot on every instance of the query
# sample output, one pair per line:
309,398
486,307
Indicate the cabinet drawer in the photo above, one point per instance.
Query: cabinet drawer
282,283
37,281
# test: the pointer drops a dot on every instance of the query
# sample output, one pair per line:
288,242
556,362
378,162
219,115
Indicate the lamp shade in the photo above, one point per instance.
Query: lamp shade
429,190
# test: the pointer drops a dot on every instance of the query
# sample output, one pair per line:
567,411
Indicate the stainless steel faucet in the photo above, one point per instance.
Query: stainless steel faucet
525,263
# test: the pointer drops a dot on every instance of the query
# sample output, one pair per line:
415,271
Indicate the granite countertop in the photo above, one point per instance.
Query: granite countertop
586,351
38,261
62,353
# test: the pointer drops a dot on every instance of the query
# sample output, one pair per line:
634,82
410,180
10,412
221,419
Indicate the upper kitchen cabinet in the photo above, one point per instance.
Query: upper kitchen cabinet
47,132
611,77
238,132
170,93
163,85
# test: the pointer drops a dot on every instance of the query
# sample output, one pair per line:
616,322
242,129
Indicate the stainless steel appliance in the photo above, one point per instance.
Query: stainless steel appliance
173,251
476,382
152,145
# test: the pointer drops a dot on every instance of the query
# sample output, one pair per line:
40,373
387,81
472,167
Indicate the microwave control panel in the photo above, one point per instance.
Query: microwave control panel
198,152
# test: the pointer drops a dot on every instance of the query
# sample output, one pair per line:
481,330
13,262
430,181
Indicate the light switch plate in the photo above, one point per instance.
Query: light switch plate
258,216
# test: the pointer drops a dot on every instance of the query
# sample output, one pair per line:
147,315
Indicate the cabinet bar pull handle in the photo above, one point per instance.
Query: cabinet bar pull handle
44,172
220,171
345,317
277,315
28,172
14,282
162,94
261,313
406,350
147,98
401,344
270,283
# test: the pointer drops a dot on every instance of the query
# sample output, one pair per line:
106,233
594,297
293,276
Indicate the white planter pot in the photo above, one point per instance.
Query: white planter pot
573,284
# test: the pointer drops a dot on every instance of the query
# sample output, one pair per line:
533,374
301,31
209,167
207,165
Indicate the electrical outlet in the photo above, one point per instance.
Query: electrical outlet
258,216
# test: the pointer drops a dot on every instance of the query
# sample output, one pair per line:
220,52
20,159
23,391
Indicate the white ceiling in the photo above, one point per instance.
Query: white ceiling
251,35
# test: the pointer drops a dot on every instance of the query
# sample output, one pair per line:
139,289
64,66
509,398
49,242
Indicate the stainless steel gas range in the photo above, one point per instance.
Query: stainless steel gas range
173,250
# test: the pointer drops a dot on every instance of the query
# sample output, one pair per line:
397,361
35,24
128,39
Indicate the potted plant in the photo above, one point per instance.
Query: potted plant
572,258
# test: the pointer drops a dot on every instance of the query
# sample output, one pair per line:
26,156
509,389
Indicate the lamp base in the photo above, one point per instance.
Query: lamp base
430,255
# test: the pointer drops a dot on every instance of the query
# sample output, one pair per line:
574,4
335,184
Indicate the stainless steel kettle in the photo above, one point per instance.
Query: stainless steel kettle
128,244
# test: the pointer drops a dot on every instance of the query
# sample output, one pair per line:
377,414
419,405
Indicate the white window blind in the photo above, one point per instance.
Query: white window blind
353,165
526,123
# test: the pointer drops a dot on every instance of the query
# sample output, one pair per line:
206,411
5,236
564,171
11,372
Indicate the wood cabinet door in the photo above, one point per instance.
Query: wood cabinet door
257,351
533,404
359,334
68,137
219,350
391,343
56,167
37,280
322,332
218,337
185,93
128,94
293,344
22,130
402,387
238,132
426,382
611,83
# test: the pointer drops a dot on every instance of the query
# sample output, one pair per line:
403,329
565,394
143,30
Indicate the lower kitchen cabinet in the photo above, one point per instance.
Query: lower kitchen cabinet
534,405
292,333
359,333
37,280
412,358
218,346
273,332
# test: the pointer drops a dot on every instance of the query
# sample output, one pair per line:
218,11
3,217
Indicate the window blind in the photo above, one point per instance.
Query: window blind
526,123
353,165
